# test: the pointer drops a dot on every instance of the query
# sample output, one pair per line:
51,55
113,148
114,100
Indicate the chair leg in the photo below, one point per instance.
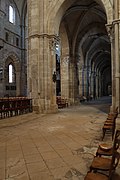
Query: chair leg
113,131
103,133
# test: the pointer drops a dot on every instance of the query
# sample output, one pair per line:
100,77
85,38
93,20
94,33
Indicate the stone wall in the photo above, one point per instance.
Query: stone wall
10,35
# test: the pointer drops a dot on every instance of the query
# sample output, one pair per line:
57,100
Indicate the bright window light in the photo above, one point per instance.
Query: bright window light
10,73
11,14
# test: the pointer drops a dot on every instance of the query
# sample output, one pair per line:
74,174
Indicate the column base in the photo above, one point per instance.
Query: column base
39,110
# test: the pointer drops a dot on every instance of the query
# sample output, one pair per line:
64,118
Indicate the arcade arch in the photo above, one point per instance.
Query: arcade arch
84,24
79,27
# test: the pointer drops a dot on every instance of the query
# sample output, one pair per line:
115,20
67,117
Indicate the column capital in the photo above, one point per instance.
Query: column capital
53,41
110,30
45,35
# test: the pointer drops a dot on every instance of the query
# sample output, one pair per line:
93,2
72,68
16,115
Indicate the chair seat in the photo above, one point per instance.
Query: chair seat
109,126
101,163
108,122
95,176
105,147
106,152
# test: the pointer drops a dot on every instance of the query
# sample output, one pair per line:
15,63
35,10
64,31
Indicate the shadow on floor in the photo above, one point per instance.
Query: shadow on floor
100,103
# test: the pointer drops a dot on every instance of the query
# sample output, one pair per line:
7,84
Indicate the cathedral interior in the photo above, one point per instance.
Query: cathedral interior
76,43
60,54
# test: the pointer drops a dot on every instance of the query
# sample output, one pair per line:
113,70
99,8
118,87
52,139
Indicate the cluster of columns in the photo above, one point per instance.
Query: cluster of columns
114,32
89,82
41,64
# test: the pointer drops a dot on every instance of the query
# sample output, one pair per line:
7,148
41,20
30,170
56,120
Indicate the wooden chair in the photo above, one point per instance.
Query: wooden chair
112,116
61,102
6,108
12,107
106,149
101,165
105,164
95,176
109,128
1,108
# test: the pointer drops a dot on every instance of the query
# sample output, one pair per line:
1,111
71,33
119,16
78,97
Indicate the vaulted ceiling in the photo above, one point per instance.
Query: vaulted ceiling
85,25
20,5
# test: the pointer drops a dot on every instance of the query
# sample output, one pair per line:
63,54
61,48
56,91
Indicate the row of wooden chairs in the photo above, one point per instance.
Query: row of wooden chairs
110,124
14,106
103,167
61,102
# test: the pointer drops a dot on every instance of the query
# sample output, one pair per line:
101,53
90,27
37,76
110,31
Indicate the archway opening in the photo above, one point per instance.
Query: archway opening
85,58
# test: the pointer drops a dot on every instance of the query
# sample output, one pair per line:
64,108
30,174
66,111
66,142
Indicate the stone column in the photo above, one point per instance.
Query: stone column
71,80
81,72
97,85
110,31
99,76
116,24
94,84
80,78
76,78
88,81
85,80
53,40
64,71
18,83
90,76
113,32
91,83
24,62
41,61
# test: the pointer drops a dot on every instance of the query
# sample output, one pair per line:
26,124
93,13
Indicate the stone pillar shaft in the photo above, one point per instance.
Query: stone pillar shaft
116,55
41,59
80,82
18,83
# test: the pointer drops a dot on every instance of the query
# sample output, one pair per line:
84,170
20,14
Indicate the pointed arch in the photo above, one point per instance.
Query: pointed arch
12,87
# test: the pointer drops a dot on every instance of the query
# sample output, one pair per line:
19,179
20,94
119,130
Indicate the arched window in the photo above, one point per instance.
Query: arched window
11,14
11,73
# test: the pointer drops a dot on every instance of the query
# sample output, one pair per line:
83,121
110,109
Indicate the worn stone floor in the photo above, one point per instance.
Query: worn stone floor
57,146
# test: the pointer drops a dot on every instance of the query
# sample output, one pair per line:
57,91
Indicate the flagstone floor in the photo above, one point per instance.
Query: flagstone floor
57,146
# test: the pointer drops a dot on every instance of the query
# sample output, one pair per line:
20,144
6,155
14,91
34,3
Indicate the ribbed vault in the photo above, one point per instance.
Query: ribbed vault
89,47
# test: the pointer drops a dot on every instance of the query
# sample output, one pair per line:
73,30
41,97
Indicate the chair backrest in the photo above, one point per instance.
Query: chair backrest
116,110
116,143
115,155
114,163
113,115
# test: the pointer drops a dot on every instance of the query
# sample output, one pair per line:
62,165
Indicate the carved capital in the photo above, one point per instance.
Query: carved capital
78,57
110,30
65,60
53,41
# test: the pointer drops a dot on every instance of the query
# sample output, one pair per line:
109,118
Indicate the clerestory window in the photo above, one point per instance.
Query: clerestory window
11,14
11,73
